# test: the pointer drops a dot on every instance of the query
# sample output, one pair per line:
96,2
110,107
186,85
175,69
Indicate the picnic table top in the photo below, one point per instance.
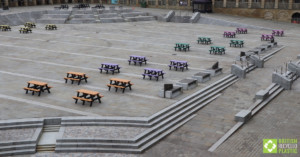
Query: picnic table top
4,25
85,91
204,37
50,25
37,83
277,30
25,28
29,23
137,56
241,28
236,40
76,73
176,61
229,32
268,34
182,44
150,69
112,64
119,80
218,46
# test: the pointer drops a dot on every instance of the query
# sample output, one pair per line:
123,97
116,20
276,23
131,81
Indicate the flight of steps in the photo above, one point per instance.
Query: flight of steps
47,141
160,124
82,16
137,16
55,17
20,147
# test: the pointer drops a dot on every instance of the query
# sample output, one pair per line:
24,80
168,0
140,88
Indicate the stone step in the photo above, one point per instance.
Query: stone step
20,122
139,18
129,124
2,144
82,20
65,16
133,14
58,12
52,21
17,147
17,152
108,15
20,126
83,16
111,20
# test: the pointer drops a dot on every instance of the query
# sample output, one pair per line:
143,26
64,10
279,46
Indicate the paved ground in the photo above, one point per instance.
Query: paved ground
48,55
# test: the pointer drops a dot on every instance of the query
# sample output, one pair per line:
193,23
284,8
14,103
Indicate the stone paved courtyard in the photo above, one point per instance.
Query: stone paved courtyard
48,55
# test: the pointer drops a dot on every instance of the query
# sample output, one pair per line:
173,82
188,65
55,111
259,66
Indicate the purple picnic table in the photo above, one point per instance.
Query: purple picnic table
153,73
178,64
137,59
109,67
229,34
267,37
277,32
241,30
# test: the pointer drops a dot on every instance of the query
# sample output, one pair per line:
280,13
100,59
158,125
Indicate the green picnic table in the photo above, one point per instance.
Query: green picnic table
217,50
236,43
204,40
182,46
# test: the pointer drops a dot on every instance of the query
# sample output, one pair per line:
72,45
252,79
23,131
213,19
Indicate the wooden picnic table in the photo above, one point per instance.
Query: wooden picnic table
178,64
119,83
5,27
25,30
51,27
217,50
204,40
110,67
76,76
30,24
182,46
137,59
153,73
87,95
37,86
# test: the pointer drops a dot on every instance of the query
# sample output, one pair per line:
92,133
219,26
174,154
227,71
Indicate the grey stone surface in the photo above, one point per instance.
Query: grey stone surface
139,18
16,134
133,14
188,83
176,91
262,94
257,61
103,132
202,77
169,16
195,17
294,67
108,15
298,57
238,71
243,116
282,80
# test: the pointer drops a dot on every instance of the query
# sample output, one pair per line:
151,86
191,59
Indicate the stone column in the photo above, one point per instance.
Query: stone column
5,2
237,3
250,3
16,3
224,3
50,2
43,2
167,4
276,4
290,4
156,3
34,2
262,5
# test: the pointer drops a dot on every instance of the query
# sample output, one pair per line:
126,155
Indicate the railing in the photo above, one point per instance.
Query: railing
132,2
151,2
230,4
256,5
172,2
296,6
218,4
269,5
243,4
283,5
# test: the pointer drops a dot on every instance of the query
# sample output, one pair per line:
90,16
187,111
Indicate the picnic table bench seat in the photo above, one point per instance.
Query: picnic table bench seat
5,28
87,95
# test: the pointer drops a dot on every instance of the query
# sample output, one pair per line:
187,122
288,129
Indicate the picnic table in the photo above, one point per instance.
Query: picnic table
76,76
30,24
137,59
51,27
25,30
37,86
119,83
99,6
236,43
229,34
182,46
241,30
204,40
217,50
110,67
82,5
5,27
178,64
267,37
87,95
277,32
153,73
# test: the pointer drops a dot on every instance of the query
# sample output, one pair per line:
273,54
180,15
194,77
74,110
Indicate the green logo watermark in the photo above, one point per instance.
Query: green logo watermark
280,146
